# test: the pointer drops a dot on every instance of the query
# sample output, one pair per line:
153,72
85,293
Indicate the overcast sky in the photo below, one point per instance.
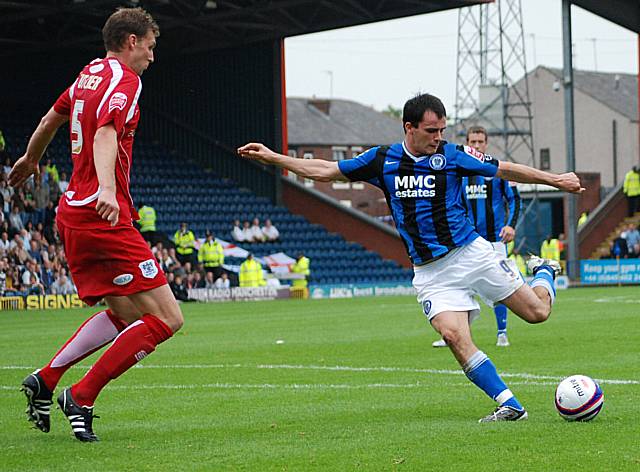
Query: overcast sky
387,62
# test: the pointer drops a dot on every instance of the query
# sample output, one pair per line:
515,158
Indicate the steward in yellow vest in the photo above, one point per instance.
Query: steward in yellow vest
301,266
519,260
185,242
251,273
550,249
631,188
211,255
147,223
147,219
52,170
583,218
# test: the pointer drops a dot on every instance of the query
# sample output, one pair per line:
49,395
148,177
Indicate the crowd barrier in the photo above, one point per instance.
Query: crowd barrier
314,291
360,290
238,294
40,302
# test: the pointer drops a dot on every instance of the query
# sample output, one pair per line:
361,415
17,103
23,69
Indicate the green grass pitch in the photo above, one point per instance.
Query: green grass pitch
353,385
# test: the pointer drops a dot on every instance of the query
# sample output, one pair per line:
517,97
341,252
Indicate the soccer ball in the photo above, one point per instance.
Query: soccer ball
579,398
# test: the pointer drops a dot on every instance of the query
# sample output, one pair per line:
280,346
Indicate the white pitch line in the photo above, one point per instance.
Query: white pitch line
265,386
531,383
338,368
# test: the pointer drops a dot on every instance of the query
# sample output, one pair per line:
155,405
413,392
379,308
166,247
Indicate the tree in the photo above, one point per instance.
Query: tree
393,112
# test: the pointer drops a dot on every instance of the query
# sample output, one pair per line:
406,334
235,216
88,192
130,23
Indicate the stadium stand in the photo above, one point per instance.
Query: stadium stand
182,191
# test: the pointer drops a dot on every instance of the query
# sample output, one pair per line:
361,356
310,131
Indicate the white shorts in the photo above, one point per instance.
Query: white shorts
500,249
450,283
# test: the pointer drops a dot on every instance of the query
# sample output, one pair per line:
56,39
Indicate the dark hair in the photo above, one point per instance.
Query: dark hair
415,108
126,21
476,130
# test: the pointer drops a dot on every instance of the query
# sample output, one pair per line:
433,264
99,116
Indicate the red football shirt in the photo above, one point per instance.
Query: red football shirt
106,91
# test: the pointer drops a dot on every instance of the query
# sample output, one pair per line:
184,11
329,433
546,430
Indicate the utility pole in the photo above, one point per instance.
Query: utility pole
569,127
330,74
595,53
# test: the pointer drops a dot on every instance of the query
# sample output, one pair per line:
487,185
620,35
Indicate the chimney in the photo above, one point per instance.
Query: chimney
321,104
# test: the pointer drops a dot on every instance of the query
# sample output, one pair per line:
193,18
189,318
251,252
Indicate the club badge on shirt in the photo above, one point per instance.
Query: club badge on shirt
437,162
118,100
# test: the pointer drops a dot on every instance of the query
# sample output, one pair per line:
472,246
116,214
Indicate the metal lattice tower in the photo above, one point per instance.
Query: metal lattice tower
492,89
491,85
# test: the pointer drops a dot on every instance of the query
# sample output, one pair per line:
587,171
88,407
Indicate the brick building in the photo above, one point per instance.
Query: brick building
335,130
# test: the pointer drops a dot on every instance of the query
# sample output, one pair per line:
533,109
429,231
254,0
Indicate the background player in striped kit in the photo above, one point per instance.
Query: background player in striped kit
494,206
421,179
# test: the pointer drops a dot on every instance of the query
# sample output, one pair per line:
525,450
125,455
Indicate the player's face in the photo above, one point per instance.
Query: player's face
477,141
426,138
142,54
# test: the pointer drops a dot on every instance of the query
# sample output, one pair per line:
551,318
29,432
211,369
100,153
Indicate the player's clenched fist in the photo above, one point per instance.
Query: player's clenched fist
107,206
22,170
570,182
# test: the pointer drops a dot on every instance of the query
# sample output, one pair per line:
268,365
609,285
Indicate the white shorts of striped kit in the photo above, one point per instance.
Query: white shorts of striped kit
499,248
450,283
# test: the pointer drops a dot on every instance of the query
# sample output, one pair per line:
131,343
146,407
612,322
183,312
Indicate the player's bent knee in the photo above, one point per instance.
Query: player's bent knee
453,337
178,322
161,303
538,314
172,318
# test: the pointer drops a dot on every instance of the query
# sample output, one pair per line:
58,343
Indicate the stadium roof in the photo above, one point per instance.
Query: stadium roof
625,13
616,90
342,122
195,25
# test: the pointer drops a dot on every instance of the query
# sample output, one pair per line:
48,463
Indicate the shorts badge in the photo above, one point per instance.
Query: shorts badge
123,279
426,307
148,268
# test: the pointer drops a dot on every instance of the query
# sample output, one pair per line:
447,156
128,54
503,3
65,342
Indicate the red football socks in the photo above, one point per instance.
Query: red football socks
135,343
93,334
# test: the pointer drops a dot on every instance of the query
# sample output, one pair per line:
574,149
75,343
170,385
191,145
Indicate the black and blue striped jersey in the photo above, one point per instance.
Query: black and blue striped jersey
487,200
424,193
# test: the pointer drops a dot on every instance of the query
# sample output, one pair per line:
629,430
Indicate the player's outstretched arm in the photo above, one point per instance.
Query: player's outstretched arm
568,182
40,139
315,169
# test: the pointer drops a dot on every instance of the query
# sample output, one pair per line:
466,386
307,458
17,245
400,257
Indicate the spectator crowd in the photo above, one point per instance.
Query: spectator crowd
626,244
32,259
186,268
253,232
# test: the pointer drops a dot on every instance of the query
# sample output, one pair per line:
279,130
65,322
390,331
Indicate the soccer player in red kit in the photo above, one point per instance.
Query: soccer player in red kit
107,257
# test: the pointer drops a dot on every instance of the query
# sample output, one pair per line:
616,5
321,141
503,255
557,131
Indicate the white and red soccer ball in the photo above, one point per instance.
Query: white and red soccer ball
579,398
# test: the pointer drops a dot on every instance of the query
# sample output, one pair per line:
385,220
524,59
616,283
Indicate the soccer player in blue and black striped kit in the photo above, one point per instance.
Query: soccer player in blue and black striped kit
493,205
421,178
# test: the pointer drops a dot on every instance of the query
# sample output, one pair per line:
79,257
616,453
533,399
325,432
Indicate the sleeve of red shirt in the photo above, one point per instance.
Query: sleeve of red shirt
63,103
117,106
